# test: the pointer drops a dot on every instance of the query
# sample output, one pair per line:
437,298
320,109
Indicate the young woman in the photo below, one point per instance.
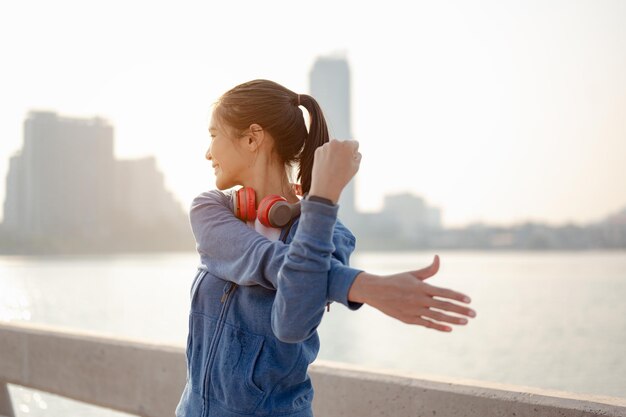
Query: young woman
260,292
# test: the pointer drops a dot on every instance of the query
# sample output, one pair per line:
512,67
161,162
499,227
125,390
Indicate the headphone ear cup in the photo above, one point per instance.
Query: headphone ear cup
282,212
295,209
244,204
266,207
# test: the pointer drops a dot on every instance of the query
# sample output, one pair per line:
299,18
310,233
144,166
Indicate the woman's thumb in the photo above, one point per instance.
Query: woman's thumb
429,271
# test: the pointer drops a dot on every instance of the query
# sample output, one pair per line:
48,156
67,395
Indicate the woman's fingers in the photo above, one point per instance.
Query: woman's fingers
446,293
447,306
412,301
334,164
437,315
430,324
354,144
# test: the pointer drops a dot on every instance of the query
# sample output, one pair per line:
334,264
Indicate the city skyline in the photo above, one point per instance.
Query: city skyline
67,193
498,113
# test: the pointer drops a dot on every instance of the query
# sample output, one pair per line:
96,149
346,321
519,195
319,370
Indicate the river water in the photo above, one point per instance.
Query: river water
552,320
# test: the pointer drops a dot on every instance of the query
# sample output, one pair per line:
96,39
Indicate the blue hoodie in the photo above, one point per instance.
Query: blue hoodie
255,308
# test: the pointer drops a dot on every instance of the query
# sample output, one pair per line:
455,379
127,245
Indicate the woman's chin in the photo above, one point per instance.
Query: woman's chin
223,185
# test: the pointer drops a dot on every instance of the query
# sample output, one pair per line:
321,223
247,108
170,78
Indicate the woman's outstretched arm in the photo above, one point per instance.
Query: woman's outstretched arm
403,296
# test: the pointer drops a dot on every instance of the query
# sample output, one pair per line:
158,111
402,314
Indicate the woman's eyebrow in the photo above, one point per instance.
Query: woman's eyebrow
212,128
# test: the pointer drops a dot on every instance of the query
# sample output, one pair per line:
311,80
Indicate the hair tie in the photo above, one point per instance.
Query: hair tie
298,99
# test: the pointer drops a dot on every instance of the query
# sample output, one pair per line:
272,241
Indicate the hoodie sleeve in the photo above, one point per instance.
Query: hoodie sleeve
302,278
232,251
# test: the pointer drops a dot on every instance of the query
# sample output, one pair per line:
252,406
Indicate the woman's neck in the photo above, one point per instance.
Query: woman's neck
264,190
271,182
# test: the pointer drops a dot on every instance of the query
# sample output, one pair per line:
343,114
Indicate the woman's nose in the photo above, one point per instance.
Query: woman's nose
208,154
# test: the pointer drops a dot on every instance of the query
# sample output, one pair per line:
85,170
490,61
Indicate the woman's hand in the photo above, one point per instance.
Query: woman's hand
406,297
334,165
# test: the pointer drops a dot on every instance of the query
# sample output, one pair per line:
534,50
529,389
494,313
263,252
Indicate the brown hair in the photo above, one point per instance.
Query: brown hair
275,109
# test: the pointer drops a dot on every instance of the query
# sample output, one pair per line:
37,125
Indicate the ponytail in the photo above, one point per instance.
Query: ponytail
318,135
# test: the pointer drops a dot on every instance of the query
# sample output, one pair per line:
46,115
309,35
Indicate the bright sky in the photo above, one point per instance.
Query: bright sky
495,111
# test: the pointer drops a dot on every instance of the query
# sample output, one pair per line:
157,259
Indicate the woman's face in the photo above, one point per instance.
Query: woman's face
226,156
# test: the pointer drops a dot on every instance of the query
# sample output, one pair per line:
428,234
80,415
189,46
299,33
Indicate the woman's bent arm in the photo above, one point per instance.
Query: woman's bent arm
233,251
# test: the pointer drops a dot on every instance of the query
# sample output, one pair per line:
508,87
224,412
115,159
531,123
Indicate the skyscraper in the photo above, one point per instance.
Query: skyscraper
60,182
330,86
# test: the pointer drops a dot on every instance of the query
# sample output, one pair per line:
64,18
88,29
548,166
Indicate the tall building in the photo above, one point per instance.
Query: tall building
405,219
330,86
66,192
60,181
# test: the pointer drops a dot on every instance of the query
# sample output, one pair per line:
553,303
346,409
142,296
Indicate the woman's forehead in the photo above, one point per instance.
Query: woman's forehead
214,125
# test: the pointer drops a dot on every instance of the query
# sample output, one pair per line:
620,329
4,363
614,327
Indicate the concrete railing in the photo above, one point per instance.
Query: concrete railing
147,380
130,376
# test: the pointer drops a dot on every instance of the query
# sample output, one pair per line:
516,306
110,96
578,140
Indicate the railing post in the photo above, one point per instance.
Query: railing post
6,408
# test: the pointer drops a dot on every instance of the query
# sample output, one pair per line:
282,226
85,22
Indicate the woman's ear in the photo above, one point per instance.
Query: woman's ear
256,138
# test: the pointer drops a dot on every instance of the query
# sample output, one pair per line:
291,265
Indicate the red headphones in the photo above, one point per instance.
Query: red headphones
274,210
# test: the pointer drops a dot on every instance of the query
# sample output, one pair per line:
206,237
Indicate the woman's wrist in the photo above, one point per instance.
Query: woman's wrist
328,195
362,287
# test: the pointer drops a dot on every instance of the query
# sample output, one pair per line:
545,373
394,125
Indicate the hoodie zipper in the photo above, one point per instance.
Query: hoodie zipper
229,288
